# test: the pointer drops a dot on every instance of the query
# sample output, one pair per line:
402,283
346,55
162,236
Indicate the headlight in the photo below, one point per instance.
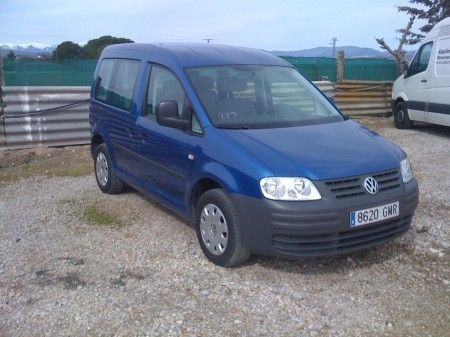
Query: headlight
407,173
286,188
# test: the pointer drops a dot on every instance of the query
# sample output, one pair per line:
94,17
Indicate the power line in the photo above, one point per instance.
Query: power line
207,40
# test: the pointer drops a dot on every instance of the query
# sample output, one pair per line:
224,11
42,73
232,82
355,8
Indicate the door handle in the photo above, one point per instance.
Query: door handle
144,137
423,80
129,131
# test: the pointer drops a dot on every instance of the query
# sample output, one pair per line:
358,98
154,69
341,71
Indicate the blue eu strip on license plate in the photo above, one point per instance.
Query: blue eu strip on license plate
374,214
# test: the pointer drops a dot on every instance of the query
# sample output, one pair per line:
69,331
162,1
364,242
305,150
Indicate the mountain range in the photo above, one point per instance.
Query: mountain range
350,51
27,50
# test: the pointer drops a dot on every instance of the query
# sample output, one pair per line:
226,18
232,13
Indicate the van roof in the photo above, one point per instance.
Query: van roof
442,28
192,54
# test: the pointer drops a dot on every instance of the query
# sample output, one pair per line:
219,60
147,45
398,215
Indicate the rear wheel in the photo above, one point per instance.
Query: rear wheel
107,181
401,117
219,231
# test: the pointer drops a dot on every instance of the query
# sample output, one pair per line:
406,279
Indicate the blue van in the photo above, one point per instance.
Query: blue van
238,142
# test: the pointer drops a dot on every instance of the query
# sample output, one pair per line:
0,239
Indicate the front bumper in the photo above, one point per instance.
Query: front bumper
322,227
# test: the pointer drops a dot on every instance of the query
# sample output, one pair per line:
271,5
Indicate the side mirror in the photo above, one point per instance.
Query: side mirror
405,69
167,115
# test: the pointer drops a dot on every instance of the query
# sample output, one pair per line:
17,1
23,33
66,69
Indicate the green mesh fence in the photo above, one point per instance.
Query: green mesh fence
370,69
48,72
80,72
315,68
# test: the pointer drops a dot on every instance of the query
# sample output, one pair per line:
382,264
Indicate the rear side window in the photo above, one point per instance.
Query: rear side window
104,80
116,81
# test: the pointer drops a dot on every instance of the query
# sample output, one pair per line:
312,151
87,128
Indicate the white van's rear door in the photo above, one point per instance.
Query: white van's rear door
439,82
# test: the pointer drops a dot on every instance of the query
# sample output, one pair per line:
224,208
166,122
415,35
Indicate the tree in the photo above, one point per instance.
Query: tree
10,55
432,11
93,48
399,53
67,50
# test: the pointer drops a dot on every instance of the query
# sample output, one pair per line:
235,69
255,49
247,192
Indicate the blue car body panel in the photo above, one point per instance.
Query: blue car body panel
319,152
154,158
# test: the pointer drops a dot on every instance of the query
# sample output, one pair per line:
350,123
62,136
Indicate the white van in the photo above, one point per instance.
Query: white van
423,92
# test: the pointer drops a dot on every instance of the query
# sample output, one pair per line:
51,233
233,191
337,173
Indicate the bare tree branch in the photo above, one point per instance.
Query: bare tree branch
384,46
398,53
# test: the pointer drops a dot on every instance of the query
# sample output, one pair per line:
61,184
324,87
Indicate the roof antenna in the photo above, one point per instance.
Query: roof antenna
207,40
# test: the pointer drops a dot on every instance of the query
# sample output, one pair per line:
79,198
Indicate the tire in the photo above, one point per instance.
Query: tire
401,117
222,217
107,181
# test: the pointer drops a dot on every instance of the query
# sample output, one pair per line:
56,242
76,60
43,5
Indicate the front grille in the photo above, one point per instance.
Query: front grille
340,242
352,187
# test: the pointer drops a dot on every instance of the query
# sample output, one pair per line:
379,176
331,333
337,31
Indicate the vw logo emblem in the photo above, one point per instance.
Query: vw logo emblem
371,185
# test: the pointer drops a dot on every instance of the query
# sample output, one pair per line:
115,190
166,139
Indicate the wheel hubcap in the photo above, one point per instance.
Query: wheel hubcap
214,229
101,169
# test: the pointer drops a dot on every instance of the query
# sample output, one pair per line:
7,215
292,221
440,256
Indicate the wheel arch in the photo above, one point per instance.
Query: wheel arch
96,140
401,97
201,186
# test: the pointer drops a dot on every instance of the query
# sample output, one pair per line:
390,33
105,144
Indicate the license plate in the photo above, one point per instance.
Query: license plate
374,214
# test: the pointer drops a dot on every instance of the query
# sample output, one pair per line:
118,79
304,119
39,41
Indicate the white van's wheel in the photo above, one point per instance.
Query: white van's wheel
401,117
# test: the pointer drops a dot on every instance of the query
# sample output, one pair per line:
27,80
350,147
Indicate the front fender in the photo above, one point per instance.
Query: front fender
402,95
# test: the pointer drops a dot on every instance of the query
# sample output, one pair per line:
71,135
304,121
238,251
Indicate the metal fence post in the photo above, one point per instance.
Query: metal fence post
340,66
2,121
2,78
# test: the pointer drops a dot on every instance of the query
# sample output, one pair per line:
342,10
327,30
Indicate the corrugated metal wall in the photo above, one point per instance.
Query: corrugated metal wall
60,127
67,126
364,97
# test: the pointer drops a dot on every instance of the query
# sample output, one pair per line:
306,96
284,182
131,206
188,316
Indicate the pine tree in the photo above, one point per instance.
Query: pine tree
432,11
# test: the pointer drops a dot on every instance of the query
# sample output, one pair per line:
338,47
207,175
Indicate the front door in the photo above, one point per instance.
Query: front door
416,83
167,155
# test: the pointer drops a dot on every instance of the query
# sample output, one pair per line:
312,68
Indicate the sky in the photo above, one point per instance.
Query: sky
271,25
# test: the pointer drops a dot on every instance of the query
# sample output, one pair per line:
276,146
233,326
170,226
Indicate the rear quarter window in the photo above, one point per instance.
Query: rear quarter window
115,82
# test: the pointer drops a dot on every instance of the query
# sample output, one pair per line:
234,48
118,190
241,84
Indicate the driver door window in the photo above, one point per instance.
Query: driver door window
164,86
420,61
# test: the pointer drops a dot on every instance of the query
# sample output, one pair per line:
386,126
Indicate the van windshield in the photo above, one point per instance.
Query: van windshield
253,96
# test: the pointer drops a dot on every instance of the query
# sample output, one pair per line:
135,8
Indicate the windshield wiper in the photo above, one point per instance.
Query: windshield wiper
234,127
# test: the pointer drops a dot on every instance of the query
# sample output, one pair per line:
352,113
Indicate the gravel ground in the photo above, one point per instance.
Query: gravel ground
75,262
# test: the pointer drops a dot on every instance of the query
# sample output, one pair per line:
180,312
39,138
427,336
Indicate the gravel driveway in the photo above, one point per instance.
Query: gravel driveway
76,262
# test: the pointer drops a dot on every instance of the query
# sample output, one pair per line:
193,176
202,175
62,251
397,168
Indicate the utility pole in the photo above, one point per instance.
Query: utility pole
333,43
207,40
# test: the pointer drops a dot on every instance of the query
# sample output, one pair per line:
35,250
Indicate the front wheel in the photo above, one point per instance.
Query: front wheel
401,117
219,231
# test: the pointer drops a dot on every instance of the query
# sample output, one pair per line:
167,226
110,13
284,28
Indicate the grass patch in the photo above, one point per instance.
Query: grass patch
72,171
98,217
12,174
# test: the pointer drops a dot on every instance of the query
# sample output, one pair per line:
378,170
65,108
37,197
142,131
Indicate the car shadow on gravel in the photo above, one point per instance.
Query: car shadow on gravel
333,264
432,129
160,207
